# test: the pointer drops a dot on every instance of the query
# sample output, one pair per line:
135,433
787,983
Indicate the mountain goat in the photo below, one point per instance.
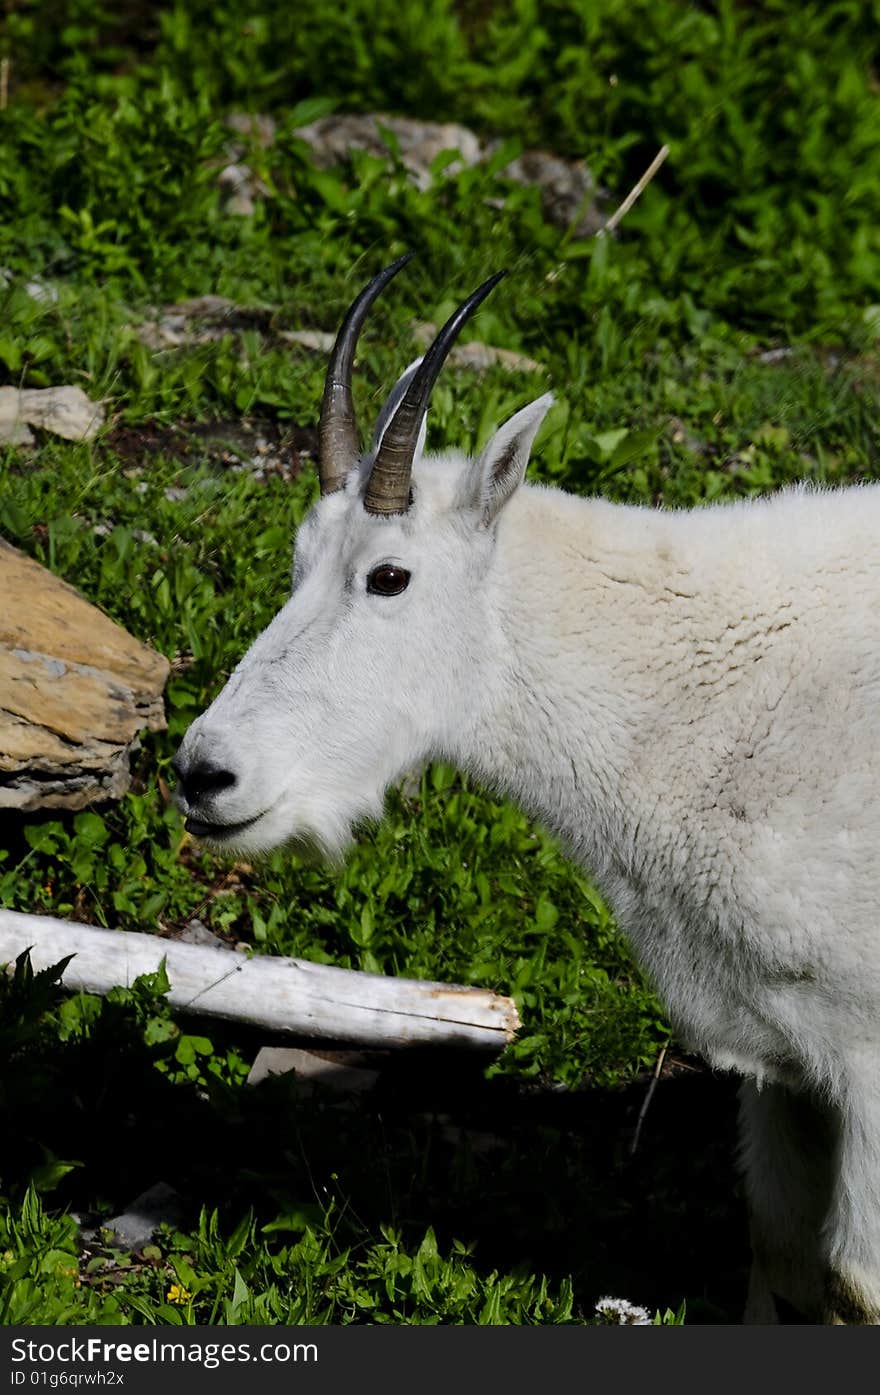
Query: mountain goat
689,700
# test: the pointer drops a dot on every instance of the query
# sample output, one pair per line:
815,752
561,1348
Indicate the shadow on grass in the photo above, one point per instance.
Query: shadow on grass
542,1180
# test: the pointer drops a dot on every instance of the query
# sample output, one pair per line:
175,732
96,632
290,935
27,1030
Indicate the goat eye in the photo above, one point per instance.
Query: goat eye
387,580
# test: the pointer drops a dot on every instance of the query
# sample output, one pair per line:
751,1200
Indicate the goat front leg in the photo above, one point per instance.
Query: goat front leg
786,1148
852,1225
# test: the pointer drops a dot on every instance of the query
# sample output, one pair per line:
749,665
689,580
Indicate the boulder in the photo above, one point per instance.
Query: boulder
75,691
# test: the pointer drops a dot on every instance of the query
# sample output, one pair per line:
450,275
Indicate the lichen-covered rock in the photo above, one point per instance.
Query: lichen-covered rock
75,691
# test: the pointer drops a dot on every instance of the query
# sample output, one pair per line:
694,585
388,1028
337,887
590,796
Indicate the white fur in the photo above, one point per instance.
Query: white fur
691,702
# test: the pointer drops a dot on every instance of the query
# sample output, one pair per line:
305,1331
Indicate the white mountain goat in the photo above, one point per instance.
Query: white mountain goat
689,700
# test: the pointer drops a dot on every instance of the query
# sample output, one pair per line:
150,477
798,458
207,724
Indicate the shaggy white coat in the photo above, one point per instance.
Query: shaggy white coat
691,702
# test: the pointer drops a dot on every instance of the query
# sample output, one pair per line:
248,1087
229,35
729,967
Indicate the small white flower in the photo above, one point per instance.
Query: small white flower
620,1311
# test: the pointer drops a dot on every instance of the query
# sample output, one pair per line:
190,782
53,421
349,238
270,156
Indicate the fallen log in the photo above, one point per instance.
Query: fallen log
281,995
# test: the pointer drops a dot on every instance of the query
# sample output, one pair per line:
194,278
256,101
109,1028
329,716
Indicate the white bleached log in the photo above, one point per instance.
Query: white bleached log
277,994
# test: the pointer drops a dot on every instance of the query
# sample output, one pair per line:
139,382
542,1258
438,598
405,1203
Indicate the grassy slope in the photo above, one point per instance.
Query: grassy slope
761,232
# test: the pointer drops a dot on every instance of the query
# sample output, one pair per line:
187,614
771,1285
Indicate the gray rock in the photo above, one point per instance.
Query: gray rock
418,142
569,192
196,932
202,320
570,195
137,1225
241,188
313,1070
252,126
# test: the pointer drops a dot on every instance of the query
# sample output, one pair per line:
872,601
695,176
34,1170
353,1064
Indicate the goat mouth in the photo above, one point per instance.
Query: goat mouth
217,831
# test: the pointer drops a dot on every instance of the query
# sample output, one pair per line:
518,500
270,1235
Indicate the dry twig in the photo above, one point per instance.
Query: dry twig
647,1100
635,191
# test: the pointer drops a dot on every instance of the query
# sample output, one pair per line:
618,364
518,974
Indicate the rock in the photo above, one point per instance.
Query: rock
473,355
319,341
336,1072
137,1225
36,288
202,320
14,430
168,332
75,690
196,932
419,142
203,307
65,411
476,355
252,126
212,317
569,193
241,188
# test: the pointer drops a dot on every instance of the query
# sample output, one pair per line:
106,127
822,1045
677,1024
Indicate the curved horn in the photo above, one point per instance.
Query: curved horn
387,489
339,445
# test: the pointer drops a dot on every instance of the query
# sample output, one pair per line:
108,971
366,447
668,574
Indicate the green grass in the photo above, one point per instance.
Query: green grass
760,233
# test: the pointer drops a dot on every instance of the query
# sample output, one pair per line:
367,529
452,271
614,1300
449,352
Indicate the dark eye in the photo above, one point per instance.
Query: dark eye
387,580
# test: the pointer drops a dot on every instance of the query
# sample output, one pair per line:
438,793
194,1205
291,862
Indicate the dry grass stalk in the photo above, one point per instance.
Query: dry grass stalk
647,1100
635,191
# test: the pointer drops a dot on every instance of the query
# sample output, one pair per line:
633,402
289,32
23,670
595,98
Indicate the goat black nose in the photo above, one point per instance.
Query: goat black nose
200,779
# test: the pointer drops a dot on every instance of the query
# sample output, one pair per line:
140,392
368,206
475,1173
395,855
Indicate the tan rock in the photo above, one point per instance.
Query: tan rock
64,411
75,690
14,430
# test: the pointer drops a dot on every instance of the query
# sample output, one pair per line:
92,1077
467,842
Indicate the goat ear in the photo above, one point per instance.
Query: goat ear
500,469
392,402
